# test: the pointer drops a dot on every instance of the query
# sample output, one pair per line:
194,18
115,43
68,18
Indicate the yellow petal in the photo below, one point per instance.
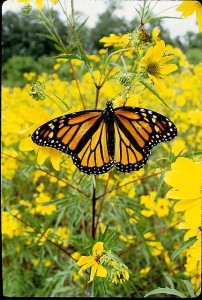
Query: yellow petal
179,177
85,260
101,271
98,249
183,194
54,1
166,69
39,4
187,8
43,153
55,157
193,215
155,33
159,50
30,130
86,266
166,59
25,1
199,17
187,204
28,145
190,233
35,115
158,81
93,271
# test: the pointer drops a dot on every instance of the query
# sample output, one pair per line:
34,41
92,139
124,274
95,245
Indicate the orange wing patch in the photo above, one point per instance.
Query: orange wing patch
125,152
95,153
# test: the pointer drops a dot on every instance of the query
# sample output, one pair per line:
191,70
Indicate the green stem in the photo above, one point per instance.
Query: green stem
93,229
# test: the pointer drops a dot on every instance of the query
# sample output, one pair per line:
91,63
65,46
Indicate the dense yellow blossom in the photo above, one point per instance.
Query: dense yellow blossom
11,227
43,205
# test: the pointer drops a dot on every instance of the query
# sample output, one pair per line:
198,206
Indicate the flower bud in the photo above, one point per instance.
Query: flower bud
37,90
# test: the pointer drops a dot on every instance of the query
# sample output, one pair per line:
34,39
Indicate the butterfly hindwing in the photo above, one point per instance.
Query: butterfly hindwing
138,130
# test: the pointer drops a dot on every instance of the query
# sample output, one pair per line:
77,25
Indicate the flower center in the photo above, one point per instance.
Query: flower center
200,1
97,258
153,68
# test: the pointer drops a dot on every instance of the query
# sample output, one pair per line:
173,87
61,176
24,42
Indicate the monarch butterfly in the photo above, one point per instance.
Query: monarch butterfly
98,140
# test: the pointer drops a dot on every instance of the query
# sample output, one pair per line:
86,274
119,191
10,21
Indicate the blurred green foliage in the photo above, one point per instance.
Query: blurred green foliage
25,49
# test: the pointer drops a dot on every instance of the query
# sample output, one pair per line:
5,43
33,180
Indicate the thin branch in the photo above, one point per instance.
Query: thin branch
59,179
77,83
110,70
120,186
102,202
36,230
140,242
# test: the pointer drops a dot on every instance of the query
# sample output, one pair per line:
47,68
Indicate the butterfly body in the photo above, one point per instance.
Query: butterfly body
98,140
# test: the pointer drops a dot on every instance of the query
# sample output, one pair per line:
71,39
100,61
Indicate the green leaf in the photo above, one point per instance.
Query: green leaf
190,288
161,181
67,56
58,47
84,58
82,24
149,87
48,36
166,290
183,246
166,17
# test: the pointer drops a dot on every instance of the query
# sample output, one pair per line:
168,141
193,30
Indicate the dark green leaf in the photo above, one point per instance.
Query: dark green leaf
190,288
82,24
67,56
48,36
58,47
183,246
166,290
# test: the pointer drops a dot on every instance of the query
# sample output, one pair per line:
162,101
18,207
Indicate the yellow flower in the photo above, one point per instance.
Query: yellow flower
47,263
76,255
39,117
94,262
39,3
162,207
189,7
155,61
11,226
178,146
119,274
115,40
145,270
186,180
155,34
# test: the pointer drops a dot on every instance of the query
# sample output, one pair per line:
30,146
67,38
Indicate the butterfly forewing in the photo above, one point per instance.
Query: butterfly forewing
138,130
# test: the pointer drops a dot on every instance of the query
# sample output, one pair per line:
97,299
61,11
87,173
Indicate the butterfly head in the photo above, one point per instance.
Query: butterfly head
109,106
